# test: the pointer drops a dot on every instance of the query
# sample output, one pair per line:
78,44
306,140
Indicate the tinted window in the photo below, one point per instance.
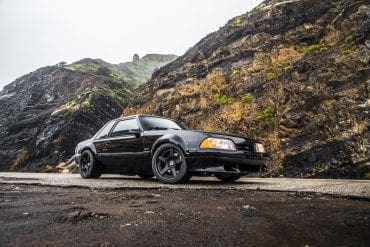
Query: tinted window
123,127
154,123
103,132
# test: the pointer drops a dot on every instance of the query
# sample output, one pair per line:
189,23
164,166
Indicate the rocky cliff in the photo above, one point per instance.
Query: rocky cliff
44,114
293,74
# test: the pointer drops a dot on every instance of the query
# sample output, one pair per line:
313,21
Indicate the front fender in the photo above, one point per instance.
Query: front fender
169,138
88,144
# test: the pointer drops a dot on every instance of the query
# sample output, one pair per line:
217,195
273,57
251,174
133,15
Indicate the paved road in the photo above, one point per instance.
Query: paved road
353,188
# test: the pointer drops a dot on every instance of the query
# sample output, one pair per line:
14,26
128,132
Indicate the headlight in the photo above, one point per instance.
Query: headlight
217,143
259,148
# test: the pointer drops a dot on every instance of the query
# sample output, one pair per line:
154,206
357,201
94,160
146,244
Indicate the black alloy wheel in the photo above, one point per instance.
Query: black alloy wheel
89,167
169,164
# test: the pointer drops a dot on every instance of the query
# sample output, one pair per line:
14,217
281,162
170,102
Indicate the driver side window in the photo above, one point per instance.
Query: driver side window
105,131
123,127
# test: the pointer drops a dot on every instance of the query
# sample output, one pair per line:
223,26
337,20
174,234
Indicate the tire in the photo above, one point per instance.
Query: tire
89,167
228,177
187,177
169,164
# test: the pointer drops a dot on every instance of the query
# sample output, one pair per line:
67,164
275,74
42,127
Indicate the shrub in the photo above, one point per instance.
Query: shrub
346,51
349,39
235,74
271,76
248,98
85,104
222,99
288,68
103,70
237,21
266,113
322,47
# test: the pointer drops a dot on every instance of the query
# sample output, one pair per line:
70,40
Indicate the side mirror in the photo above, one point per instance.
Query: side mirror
136,132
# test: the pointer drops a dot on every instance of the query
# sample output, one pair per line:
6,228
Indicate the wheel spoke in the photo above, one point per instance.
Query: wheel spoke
164,170
171,152
179,161
174,173
161,158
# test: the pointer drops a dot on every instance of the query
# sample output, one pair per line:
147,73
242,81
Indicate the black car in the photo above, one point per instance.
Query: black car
150,146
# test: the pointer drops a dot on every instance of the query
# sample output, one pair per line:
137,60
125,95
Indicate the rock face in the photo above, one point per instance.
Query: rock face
293,74
140,70
44,114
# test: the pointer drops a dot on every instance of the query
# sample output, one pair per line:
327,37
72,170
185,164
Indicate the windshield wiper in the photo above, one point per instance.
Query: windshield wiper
158,128
162,128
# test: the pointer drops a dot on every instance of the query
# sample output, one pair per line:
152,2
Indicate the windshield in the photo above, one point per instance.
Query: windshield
156,123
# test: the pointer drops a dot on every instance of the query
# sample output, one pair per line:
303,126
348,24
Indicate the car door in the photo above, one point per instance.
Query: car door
124,147
101,139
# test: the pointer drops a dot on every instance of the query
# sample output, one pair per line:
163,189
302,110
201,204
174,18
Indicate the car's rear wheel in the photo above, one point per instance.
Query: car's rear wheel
89,167
228,177
169,164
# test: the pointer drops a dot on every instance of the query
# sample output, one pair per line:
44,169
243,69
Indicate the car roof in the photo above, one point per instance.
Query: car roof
141,115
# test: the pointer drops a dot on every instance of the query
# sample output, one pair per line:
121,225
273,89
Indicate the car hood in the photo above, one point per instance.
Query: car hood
236,138
85,142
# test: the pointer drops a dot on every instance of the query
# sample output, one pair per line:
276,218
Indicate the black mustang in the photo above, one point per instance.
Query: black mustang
156,146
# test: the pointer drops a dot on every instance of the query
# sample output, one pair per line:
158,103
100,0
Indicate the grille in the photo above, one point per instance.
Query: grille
246,147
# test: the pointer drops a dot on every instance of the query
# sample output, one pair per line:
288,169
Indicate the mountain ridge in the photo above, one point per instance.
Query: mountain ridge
45,113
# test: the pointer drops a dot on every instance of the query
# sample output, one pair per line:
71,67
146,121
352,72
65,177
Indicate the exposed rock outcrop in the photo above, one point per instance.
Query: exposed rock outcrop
294,74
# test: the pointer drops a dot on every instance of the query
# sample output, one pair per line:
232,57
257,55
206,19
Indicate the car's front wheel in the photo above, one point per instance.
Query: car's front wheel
169,164
228,177
89,167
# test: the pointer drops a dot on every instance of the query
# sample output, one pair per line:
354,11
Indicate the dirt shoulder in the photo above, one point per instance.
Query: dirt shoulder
53,216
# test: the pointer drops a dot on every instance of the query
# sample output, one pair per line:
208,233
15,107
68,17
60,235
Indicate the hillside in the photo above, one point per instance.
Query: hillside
293,74
44,114
140,70
136,72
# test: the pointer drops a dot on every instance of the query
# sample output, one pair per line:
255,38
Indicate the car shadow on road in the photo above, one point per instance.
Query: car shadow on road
193,181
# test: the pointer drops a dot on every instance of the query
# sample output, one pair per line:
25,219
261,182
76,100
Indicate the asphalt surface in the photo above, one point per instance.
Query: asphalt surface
343,187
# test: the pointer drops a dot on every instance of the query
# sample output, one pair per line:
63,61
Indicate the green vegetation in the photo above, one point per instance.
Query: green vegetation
349,39
346,49
321,47
271,76
136,72
247,98
139,72
222,99
288,68
237,21
83,67
266,113
284,67
235,74
85,104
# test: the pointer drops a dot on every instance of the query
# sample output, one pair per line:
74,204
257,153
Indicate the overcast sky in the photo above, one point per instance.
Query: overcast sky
36,33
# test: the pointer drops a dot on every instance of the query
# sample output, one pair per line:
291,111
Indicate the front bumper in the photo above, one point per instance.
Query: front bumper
214,161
